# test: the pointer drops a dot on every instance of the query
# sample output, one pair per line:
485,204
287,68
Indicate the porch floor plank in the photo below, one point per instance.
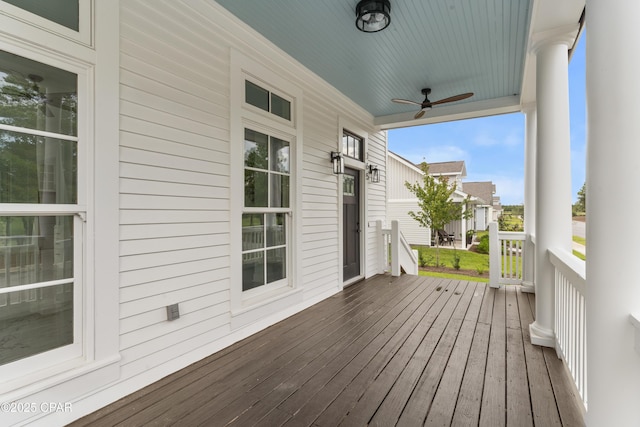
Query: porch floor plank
386,351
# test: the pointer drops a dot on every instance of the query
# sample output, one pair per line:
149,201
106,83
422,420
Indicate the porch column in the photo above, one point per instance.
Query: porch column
528,284
553,172
613,201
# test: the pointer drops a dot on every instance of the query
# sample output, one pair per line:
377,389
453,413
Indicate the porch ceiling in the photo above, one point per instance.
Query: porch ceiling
451,46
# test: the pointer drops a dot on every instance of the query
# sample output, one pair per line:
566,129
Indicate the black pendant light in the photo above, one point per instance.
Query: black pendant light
373,15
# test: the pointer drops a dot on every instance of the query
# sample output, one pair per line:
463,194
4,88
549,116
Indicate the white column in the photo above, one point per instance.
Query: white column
530,111
553,173
613,201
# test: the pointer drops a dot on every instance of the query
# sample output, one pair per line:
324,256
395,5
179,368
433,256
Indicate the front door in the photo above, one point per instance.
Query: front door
351,224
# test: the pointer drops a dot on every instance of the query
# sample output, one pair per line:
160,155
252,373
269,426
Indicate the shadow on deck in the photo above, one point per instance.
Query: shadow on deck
407,351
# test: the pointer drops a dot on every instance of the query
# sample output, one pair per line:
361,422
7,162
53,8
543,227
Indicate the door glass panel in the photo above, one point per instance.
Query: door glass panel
63,12
349,185
37,96
34,321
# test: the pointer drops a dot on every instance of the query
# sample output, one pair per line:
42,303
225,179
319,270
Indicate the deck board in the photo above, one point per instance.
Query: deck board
387,351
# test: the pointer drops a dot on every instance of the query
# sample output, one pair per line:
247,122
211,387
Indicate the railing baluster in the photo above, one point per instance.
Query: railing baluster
570,316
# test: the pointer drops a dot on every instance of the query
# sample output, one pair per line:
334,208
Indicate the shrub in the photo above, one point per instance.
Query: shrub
483,245
455,263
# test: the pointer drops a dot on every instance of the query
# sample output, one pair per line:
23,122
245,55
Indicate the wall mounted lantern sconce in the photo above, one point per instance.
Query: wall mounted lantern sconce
373,15
373,174
338,162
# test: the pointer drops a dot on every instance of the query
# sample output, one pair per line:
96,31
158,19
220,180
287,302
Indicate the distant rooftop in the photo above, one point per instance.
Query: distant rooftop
482,190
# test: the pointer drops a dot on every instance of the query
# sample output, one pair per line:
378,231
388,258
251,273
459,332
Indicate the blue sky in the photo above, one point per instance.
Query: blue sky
493,147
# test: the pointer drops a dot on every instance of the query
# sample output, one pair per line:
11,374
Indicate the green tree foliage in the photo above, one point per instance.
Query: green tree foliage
581,204
437,208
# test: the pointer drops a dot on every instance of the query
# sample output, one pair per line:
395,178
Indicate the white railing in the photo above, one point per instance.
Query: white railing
395,253
506,253
570,316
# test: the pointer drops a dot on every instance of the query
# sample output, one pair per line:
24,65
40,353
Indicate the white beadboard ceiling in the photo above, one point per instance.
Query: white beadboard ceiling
451,46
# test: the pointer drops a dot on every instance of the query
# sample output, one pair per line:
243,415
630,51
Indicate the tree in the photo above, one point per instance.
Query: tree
437,208
581,204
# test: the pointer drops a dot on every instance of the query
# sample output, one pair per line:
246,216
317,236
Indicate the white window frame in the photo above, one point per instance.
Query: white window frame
254,304
288,211
83,35
16,373
98,131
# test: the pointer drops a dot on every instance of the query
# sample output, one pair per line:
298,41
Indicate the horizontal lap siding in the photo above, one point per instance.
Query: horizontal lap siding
174,188
320,229
376,199
175,179
414,233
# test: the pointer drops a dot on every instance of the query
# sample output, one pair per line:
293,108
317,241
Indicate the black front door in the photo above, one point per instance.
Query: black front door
351,224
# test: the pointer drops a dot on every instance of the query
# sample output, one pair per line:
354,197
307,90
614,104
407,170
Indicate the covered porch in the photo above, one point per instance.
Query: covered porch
386,351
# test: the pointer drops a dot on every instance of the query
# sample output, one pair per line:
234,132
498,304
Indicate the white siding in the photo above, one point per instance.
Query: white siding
399,173
175,176
413,232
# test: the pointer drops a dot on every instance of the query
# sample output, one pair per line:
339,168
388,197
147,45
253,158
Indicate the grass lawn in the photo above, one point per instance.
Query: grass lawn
454,276
580,240
579,255
468,260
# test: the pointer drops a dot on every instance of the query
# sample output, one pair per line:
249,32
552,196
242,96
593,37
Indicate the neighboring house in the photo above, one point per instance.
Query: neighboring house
497,208
400,200
484,209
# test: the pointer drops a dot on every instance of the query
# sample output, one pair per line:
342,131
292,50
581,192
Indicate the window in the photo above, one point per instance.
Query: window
352,145
266,208
40,211
267,101
63,12
266,159
42,19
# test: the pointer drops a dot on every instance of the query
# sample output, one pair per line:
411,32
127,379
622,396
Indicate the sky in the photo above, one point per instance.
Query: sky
493,147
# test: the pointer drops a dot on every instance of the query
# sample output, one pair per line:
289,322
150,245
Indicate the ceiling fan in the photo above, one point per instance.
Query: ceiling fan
426,104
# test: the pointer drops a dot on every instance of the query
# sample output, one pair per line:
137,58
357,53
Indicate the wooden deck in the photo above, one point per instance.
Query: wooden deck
387,351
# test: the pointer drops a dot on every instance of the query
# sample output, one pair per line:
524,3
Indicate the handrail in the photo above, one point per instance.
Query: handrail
395,252
570,326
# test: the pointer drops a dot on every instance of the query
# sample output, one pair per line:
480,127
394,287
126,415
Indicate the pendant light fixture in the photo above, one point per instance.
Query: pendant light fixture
373,15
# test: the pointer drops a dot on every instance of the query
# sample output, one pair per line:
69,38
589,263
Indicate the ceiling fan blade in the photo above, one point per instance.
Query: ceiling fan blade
453,98
405,101
419,114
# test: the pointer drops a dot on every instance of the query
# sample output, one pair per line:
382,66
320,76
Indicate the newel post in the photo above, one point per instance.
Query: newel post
494,256
395,248
382,250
